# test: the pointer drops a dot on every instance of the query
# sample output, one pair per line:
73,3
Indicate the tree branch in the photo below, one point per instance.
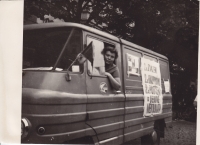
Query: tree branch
85,4
100,8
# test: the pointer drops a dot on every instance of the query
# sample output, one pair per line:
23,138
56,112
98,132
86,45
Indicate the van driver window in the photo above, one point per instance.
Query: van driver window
73,48
42,48
104,62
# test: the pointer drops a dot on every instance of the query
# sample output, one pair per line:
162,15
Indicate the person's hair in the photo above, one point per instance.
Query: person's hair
111,49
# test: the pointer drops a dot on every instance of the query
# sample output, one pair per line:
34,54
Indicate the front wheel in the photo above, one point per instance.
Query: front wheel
151,139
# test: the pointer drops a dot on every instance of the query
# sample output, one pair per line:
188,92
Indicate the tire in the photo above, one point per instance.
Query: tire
151,139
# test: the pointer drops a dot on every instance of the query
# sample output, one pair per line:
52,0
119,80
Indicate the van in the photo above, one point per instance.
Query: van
64,101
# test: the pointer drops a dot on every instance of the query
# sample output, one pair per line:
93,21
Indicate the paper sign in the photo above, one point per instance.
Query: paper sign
151,80
132,65
75,68
166,84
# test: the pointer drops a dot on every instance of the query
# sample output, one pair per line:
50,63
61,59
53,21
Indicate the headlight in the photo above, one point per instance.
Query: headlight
22,128
25,127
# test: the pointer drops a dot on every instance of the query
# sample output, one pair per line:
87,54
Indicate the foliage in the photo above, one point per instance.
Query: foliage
169,27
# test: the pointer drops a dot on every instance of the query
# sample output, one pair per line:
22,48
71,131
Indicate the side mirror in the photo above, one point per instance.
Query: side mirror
68,77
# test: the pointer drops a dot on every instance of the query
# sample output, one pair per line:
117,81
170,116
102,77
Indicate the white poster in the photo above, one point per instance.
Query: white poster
151,80
132,65
166,84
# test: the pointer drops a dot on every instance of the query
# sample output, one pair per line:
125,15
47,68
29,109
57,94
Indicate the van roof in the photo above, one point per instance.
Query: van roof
76,25
92,30
143,49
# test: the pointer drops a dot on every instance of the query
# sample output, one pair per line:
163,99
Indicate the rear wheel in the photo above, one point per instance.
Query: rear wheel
151,139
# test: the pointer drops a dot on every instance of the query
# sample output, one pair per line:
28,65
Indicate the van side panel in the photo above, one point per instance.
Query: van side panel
167,96
133,83
105,110
135,124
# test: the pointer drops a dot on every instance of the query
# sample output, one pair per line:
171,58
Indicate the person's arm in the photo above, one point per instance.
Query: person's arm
115,82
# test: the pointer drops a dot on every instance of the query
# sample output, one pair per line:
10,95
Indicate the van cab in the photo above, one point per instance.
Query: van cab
64,101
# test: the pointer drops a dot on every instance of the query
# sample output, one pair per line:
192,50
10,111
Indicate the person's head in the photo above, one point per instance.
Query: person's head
110,54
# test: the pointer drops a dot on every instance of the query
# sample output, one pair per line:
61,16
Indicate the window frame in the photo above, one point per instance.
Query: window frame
104,41
63,49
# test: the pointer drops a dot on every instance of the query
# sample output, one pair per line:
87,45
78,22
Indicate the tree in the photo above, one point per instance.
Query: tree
168,27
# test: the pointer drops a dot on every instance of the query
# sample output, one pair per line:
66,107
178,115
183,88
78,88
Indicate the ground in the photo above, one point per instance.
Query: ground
180,133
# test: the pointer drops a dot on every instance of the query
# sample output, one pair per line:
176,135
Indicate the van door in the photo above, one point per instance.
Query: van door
105,106
135,124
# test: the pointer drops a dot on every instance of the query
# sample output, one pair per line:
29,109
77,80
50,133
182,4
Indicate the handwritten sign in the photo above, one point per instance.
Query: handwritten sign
151,80
132,65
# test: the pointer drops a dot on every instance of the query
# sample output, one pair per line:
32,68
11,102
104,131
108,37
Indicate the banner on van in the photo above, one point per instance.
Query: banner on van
151,80
132,65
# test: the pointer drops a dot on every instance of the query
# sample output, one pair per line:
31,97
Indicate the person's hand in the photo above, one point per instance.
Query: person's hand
81,59
107,74
115,82
79,56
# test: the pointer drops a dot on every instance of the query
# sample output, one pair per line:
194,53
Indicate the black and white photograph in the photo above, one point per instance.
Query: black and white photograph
109,72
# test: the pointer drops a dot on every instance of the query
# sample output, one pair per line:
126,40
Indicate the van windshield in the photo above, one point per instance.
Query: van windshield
42,47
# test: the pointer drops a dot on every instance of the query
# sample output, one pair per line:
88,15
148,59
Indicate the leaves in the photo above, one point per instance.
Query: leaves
169,27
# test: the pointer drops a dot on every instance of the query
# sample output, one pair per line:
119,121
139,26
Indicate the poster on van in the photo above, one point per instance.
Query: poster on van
151,80
132,65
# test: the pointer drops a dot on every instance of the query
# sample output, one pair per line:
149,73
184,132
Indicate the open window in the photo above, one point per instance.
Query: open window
97,68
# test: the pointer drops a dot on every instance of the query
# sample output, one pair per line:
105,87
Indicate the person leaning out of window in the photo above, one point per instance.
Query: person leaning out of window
111,70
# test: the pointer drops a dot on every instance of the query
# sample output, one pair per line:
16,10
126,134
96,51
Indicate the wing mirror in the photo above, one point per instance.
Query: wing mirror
68,77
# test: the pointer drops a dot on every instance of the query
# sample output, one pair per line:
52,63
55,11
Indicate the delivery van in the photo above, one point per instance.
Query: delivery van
65,101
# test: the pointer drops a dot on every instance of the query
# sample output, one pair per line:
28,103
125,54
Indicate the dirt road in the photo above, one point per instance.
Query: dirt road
180,133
